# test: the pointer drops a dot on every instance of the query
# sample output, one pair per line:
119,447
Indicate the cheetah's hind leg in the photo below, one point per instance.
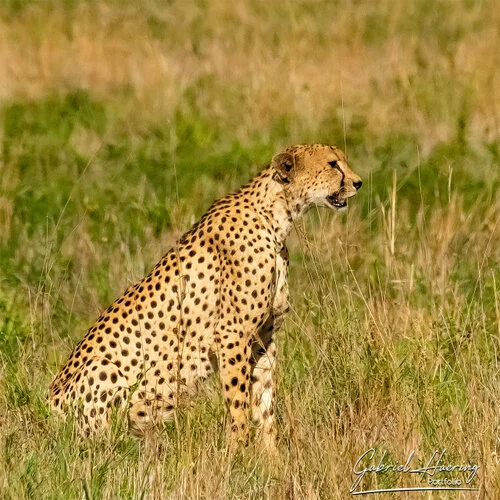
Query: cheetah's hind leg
147,412
96,394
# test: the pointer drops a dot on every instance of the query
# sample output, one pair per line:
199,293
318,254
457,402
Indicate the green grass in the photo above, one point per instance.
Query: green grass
393,336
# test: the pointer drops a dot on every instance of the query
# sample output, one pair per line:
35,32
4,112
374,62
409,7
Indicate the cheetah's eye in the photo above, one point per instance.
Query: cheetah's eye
334,164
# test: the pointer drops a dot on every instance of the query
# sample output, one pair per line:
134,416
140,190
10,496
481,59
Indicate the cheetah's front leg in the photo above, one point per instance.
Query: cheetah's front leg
263,390
264,358
234,362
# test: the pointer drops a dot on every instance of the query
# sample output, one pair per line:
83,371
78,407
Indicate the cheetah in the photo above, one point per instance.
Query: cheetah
212,303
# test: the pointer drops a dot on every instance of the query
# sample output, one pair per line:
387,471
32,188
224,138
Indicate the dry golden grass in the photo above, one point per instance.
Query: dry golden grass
277,57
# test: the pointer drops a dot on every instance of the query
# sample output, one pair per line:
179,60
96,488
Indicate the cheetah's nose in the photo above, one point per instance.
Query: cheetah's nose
357,184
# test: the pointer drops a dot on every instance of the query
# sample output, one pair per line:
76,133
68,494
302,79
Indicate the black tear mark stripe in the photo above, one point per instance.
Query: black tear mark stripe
335,164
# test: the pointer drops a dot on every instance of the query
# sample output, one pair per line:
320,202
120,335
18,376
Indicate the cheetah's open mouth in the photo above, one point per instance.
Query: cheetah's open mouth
334,201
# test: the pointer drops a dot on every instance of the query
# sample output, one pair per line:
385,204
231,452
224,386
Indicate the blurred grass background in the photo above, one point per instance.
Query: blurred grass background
121,121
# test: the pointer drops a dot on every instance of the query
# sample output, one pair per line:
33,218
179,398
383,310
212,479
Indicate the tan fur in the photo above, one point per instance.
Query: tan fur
212,302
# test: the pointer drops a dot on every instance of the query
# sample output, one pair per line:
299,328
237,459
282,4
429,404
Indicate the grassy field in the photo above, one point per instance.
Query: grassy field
121,121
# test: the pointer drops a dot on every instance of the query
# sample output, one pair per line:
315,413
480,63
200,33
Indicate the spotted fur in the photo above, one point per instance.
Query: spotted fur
213,302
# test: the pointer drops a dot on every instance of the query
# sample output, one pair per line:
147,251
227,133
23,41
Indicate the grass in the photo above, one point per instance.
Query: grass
122,121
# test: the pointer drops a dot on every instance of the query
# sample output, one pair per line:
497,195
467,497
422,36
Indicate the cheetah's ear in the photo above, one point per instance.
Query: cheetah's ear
284,167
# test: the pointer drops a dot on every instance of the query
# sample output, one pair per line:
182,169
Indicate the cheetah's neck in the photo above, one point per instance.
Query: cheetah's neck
270,201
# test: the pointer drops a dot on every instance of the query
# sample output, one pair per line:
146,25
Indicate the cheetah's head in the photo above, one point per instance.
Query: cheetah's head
316,175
